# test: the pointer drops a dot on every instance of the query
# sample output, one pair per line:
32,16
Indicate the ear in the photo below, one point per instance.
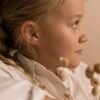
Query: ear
30,32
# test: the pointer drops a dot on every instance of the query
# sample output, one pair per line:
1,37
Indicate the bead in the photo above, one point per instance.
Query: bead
60,73
95,91
68,96
42,86
64,62
89,72
94,82
97,68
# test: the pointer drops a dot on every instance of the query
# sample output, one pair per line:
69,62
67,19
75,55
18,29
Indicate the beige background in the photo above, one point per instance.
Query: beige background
91,24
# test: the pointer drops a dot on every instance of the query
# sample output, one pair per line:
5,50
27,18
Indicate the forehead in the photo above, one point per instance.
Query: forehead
72,8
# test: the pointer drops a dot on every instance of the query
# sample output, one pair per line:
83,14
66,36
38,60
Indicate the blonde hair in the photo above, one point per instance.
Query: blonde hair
13,13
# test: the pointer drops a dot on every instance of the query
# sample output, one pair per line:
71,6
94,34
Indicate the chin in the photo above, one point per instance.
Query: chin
74,64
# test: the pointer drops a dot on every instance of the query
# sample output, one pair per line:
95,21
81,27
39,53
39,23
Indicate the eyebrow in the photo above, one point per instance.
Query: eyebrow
77,16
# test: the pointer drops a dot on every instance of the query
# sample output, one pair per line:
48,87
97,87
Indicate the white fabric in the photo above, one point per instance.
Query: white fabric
85,82
79,84
14,85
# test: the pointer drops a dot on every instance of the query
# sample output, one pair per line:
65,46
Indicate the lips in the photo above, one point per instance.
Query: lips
79,51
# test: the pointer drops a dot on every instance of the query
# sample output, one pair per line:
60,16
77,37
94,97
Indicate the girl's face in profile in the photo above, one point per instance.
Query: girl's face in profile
62,36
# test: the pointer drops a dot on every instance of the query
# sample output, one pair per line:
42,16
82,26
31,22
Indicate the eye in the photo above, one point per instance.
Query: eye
75,25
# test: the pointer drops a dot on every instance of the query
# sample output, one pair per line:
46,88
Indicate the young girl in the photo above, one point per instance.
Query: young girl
36,37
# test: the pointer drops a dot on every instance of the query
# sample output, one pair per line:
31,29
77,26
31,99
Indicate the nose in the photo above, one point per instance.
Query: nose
83,38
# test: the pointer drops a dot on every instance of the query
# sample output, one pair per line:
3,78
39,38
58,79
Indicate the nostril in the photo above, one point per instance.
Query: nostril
83,39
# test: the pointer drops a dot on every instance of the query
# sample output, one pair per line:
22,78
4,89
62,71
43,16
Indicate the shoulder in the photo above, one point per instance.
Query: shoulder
4,70
9,71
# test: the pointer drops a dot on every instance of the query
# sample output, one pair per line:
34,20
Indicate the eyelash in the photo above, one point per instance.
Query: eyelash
75,25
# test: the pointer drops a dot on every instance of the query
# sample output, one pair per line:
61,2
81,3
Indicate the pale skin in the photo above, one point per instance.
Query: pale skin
60,36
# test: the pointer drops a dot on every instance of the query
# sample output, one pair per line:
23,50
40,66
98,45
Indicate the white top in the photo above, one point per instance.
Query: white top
15,86
79,83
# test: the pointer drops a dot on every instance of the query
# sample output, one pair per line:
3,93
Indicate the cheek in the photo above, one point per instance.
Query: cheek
59,44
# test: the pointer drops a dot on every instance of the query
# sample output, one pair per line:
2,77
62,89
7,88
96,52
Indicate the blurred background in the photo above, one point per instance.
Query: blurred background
91,25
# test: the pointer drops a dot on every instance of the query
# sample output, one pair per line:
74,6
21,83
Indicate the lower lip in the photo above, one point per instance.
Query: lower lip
79,52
